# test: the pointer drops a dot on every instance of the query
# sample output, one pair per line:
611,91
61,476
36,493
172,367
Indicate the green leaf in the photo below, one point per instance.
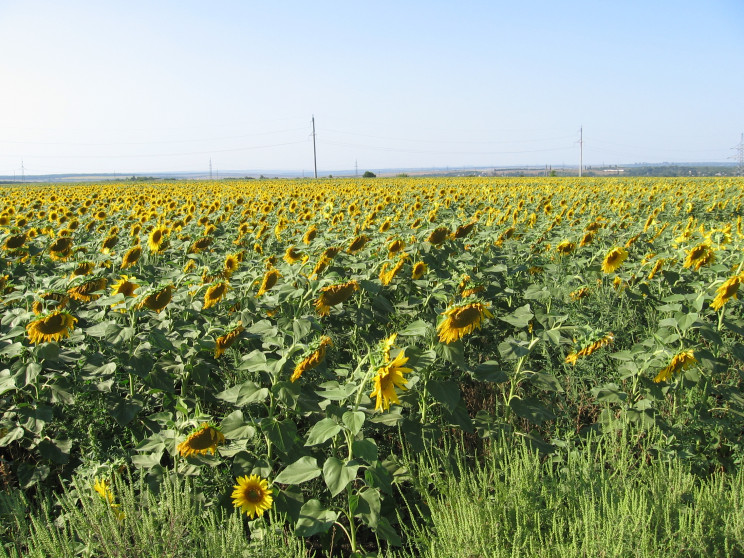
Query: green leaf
445,392
453,352
511,349
242,464
289,501
282,434
323,430
11,436
354,421
102,329
531,409
234,427
148,460
125,410
609,393
300,329
490,371
546,381
386,532
419,328
365,449
302,470
520,317
338,475
314,519
57,451
368,507
243,394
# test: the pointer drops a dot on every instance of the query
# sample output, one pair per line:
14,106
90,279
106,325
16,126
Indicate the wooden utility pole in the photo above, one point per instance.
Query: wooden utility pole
315,155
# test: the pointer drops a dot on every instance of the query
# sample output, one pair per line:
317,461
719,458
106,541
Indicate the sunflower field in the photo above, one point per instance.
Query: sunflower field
283,343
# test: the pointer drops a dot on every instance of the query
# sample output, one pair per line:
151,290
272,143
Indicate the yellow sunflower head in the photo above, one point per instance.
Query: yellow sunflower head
389,377
225,341
201,441
51,327
614,259
157,299
131,256
419,270
252,495
462,319
215,292
269,280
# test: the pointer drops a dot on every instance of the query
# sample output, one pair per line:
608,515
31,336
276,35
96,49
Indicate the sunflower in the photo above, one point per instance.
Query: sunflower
131,256
461,320
52,327
438,235
387,345
230,266
387,275
124,286
419,269
103,488
157,239
357,244
578,294
386,380
292,255
214,293
201,441
330,252
726,291
201,244
108,243
60,298
614,259
61,249
656,268
463,230
158,299
225,341
589,349
468,287
252,495
310,234
699,256
333,295
312,360
565,247
680,361
14,242
320,267
83,268
269,280
84,291
395,246
190,266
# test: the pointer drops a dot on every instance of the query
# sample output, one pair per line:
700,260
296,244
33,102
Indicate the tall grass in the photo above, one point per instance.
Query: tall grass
605,499
602,500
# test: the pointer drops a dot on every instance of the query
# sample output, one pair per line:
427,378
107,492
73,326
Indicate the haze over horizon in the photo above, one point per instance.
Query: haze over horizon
142,87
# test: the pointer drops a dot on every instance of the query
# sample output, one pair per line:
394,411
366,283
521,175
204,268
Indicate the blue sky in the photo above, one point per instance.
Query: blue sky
142,86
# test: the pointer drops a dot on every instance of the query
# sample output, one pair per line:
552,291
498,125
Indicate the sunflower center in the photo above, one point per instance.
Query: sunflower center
254,495
465,316
52,324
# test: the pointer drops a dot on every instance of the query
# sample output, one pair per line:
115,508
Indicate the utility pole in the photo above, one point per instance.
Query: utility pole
23,172
315,156
739,157
210,168
581,150
356,169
